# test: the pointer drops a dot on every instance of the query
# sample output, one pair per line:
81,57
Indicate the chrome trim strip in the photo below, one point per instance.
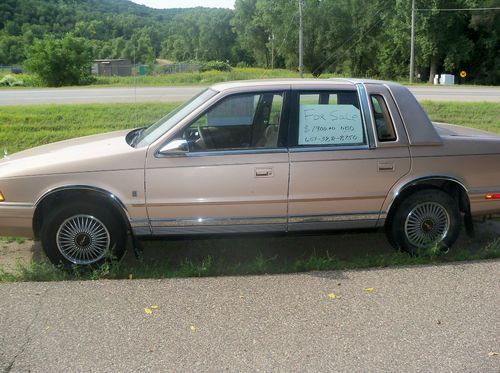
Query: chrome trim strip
328,148
217,203
213,153
16,205
193,222
237,152
365,111
332,225
330,199
408,184
137,223
141,231
431,177
119,203
214,229
492,190
368,215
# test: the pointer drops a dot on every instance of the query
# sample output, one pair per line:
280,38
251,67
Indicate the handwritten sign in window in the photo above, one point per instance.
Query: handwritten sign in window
330,125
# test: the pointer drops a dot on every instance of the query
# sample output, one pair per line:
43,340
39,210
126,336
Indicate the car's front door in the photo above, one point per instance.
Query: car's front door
341,169
232,175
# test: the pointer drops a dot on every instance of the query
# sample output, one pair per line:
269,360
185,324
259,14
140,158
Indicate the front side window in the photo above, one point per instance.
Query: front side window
238,122
153,132
330,118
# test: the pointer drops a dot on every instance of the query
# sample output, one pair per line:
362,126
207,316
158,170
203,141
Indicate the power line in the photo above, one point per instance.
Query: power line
455,9
331,60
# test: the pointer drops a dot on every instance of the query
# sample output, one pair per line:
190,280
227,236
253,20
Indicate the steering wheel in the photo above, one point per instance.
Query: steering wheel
204,142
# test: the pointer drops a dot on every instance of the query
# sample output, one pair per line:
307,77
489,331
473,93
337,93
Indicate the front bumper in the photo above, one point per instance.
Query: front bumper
16,219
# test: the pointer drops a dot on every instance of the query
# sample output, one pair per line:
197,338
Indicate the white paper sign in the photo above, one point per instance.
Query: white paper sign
330,125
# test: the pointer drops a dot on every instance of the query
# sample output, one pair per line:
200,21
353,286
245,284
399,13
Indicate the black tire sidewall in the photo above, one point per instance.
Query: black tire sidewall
53,221
397,227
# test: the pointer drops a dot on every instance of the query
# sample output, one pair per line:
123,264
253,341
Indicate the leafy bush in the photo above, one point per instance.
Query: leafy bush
59,62
215,65
11,81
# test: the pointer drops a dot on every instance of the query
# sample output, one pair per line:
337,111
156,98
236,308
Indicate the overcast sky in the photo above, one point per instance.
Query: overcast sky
160,4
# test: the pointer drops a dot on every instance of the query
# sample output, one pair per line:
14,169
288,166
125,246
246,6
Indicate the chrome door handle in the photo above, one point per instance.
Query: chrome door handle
384,167
264,172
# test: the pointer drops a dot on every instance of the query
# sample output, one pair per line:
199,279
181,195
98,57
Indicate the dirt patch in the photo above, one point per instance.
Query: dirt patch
286,248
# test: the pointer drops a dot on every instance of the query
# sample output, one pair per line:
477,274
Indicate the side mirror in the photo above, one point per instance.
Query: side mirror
174,147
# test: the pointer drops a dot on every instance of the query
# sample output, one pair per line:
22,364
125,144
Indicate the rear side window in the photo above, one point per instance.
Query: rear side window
383,121
330,118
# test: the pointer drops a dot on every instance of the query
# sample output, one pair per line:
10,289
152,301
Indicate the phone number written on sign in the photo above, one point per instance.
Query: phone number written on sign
330,124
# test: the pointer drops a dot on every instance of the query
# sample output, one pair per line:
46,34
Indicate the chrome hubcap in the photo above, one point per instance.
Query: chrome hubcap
427,224
83,239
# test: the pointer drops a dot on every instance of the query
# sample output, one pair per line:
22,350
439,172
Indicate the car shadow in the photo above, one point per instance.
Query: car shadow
286,248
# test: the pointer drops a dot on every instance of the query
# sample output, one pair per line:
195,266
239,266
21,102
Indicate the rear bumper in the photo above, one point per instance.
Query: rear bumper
16,219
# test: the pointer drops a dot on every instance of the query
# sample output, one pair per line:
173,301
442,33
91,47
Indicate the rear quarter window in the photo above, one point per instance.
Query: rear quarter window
383,121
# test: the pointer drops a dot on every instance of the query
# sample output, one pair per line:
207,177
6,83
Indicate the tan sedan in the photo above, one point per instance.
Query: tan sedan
257,156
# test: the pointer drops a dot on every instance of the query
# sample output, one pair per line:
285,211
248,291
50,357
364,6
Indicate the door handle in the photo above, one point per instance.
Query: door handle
264,172
384,167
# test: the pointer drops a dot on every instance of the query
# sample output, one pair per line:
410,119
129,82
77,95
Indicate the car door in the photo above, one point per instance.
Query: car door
231,176
341,168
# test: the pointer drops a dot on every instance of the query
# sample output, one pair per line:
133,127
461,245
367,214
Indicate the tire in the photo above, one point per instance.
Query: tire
424,219
82,234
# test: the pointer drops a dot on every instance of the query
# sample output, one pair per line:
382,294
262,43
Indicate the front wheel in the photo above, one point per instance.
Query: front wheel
425,219
82,234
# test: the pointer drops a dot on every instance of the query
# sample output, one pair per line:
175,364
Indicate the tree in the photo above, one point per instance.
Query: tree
59,62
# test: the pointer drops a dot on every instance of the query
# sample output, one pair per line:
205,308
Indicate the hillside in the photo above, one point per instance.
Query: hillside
115,27
349,37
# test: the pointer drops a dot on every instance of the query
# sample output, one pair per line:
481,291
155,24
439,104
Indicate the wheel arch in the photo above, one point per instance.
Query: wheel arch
82,193
450,185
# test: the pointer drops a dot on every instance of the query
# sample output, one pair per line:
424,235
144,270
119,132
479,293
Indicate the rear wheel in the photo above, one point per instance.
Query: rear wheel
425,219
83,235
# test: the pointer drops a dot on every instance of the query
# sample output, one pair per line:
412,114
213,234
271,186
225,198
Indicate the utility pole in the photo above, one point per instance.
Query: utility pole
301,40
412,46
271,39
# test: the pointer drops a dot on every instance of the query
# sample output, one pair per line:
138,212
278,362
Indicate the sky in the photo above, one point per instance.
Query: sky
160,4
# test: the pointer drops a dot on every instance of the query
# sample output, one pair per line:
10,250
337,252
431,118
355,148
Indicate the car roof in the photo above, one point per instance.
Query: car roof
297,82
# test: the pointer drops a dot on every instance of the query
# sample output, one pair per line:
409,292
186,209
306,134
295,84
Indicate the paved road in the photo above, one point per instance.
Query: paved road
419,319
170,94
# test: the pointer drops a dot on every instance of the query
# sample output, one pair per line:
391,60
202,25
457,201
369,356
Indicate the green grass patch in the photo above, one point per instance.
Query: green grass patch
206,267
29,126
481,115
23,127
19,240
187,78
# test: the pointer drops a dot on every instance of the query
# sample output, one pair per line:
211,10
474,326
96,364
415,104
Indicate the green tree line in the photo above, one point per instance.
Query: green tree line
348,37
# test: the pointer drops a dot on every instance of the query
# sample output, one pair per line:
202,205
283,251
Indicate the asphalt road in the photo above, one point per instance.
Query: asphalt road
175,94
420,319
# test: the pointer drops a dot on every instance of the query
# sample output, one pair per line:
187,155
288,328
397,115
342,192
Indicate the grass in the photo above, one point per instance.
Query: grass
28,126
206,267
481,115
187,78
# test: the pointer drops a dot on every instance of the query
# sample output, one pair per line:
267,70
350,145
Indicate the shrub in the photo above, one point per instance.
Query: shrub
59,62
215,65
11,81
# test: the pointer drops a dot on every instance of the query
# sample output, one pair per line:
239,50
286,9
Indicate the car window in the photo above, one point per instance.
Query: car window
385,127
238,122
161,127
329,118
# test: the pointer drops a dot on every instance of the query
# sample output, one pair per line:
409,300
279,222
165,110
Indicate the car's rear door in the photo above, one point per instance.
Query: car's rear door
340,169
233,178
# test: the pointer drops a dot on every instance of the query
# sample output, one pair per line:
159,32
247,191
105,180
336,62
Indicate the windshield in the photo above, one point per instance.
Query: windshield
156,130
